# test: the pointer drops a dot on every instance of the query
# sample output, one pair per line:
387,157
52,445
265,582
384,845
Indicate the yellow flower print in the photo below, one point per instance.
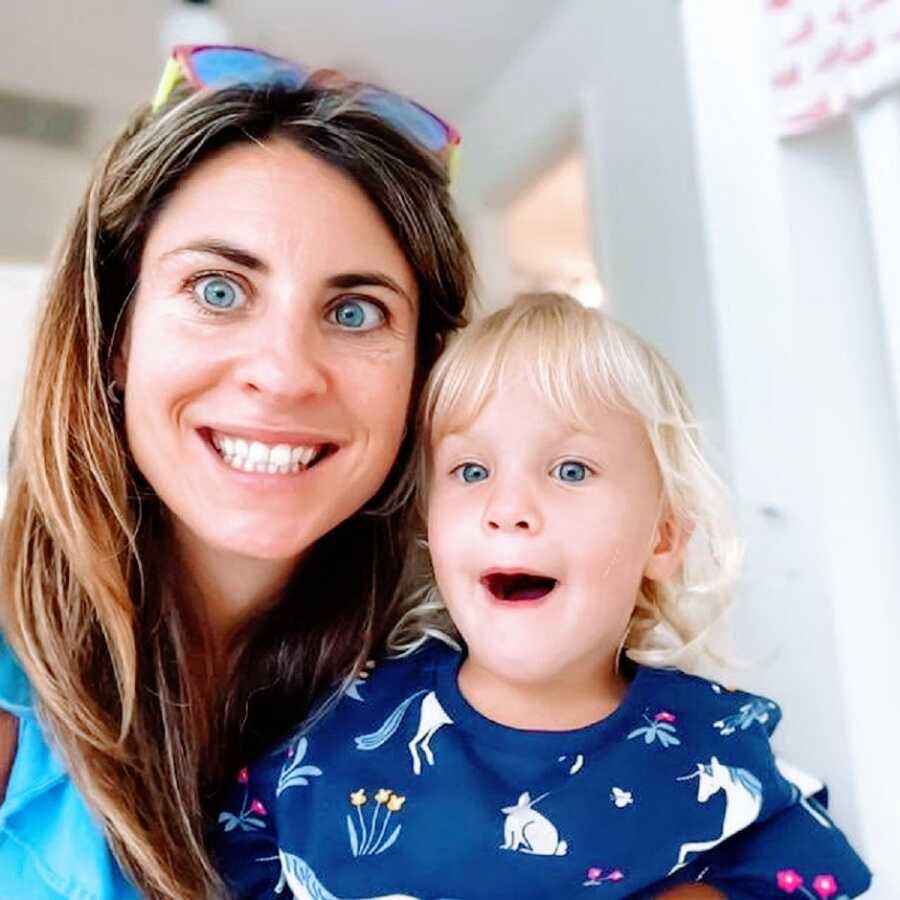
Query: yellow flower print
372,834
395,803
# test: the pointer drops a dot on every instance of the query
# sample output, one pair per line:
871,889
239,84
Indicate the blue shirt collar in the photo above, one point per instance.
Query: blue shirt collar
15,692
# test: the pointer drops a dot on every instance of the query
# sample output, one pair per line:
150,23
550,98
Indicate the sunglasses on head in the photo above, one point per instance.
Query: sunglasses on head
215,67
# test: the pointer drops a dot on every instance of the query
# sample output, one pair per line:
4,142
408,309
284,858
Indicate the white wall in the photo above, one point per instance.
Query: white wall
39,189
19,287
754,265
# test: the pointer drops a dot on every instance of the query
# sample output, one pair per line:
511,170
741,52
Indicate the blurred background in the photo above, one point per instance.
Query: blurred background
723,175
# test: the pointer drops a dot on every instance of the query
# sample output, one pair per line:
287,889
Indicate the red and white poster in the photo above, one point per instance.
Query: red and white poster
827,54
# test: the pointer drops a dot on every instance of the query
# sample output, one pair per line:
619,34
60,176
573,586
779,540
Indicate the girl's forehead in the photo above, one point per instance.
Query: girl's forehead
577,409
523,413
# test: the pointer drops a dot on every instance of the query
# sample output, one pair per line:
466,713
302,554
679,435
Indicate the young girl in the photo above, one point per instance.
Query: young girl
579,552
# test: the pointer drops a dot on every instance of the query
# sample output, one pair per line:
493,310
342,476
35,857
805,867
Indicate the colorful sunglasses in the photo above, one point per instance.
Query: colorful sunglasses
214,67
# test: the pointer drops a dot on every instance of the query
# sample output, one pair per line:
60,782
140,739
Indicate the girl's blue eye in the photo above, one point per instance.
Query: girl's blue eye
220,293
472,473
358,315
570,471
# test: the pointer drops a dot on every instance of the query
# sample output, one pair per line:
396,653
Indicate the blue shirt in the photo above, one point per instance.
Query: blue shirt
404,790
50,844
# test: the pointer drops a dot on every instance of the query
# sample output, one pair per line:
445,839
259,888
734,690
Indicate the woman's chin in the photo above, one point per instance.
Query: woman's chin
261,541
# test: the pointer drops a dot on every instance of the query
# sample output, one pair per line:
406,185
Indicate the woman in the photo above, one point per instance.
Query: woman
206,513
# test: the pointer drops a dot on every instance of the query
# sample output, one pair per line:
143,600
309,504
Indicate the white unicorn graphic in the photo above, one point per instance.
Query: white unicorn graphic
431,718
743,801
526,830
298,876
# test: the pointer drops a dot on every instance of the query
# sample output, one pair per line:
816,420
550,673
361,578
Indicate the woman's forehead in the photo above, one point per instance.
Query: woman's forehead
282,206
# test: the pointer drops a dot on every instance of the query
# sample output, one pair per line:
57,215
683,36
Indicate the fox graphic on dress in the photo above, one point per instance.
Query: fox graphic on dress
527,831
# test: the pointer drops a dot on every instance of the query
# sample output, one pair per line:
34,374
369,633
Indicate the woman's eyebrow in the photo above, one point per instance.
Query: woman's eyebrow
349,280
237,255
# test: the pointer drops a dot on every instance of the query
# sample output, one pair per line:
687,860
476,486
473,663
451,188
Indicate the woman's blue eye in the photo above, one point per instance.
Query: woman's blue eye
570,471
472,473
219,293
358,315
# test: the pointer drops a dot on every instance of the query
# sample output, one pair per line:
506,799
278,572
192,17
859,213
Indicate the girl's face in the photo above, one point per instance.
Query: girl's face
269,354
540,535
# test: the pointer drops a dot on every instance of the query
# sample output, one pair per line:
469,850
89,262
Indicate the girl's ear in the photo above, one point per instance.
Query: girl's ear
667,554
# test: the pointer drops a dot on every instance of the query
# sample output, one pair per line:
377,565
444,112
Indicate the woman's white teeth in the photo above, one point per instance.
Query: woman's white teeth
255,456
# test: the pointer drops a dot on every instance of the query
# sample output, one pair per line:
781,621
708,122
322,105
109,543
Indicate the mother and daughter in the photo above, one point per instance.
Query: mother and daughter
294,604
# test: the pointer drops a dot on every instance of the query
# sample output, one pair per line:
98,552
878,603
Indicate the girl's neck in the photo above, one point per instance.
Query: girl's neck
563,704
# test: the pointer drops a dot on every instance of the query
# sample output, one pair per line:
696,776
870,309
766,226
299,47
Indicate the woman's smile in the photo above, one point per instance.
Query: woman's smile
250,452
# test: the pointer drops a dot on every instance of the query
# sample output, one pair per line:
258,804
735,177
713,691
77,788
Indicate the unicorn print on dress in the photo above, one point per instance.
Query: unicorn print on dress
527,831
298,876
431,718
804,788
743,801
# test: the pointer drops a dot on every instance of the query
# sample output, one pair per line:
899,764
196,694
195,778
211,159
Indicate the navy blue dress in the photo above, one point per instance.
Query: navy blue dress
403,790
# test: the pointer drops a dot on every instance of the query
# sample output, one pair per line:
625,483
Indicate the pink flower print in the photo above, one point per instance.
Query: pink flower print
243,776
595,876
825,886
664,716
788,880
258,808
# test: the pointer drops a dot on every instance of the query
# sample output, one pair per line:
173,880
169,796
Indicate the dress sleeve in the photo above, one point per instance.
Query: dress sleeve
244,843
798,852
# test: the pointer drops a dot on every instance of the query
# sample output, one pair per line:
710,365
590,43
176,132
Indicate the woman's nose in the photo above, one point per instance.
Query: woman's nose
287,361
512,509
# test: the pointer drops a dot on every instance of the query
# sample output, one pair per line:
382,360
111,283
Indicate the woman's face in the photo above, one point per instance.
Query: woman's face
269,352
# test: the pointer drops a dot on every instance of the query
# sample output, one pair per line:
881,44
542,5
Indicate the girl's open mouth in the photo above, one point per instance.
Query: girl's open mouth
515,587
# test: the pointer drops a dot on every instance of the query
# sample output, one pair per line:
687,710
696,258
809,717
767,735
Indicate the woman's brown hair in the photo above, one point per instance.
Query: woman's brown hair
91,603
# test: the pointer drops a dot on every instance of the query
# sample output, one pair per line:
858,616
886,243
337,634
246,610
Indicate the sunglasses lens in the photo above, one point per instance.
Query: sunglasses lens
218,67
408,117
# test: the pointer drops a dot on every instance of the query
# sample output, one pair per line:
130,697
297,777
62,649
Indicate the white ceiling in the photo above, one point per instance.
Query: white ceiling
107,53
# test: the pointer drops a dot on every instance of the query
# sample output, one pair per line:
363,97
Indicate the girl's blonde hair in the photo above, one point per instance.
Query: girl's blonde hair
92,598
579,358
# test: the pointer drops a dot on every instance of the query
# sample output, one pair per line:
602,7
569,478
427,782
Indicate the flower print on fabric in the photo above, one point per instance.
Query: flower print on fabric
755,710
791,882
252,814
431,718
294,773
364,841
743,802
660,728
527,831
597,876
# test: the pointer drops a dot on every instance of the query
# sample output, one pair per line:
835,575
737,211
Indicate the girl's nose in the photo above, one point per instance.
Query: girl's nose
512,509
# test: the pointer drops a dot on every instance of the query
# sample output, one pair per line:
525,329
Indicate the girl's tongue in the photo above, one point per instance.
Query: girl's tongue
516,586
